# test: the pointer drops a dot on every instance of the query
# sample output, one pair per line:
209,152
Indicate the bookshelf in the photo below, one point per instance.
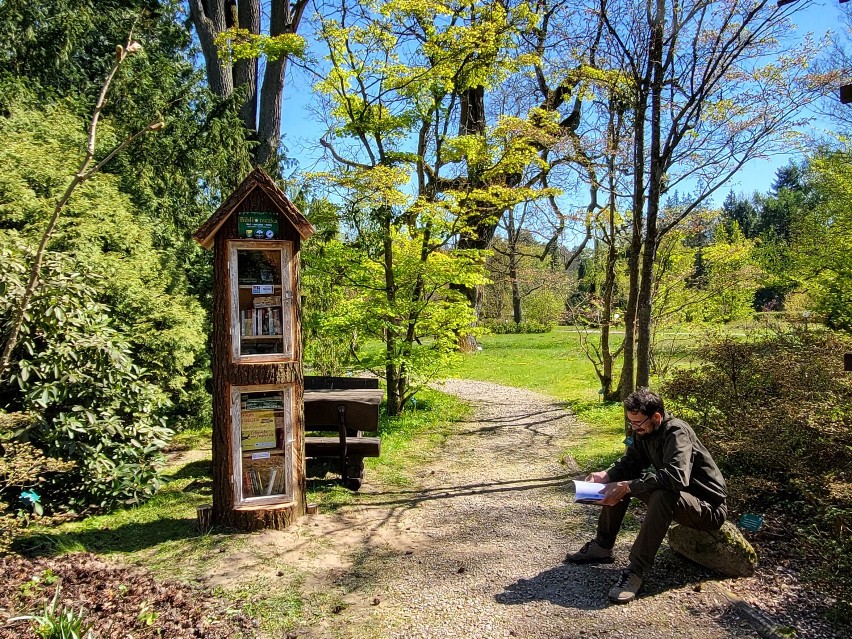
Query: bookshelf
262,443
261,301
258,466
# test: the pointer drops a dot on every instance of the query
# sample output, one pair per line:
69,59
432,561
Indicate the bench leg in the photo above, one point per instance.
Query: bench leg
355,473
341,416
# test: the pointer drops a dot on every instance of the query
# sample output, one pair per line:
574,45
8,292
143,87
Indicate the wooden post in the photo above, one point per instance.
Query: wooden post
204,518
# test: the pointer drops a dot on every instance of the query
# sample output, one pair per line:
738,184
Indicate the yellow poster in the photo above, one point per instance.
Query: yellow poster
258,429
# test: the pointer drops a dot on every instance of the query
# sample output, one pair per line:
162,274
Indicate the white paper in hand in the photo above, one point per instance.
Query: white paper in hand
587,492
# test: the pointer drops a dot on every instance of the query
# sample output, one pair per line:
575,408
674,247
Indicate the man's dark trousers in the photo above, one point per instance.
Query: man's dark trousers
664,506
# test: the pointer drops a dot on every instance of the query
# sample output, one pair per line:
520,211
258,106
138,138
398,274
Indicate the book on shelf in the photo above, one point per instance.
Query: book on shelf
259,322
263,481
264,301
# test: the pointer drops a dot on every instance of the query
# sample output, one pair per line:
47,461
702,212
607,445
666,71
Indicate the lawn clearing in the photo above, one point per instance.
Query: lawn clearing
553,364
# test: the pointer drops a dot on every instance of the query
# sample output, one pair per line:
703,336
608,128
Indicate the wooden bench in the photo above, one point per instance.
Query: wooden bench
350,406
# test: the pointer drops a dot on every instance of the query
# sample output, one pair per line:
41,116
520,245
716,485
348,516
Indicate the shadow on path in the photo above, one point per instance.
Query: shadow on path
585,587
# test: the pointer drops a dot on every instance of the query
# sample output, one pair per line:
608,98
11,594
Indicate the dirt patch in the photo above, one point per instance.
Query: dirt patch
117,602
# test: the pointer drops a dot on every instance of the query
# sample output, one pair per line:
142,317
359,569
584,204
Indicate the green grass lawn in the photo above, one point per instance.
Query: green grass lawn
553,364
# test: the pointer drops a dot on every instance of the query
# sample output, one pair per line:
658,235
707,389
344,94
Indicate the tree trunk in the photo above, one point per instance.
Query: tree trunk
655,179
512,245
283,19
246,71
472,122
392,332
609,393
627,380
209,19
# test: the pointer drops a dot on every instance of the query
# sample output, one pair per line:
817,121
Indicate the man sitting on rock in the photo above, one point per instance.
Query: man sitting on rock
669,469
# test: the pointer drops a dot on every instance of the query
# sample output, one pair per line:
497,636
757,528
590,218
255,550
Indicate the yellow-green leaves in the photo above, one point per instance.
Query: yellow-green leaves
240,44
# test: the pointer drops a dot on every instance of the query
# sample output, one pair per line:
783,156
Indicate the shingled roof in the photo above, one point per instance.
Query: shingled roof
257,179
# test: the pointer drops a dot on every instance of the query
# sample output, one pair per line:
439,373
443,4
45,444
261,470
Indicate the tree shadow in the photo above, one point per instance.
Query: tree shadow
126,538
199,470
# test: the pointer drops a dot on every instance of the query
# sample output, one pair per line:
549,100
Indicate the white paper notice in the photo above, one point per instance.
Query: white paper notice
587,492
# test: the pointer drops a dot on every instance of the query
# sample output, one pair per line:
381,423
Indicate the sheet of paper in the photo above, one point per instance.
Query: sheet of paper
587,492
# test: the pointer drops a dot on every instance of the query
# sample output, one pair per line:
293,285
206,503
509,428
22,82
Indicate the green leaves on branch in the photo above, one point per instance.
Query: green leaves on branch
240,44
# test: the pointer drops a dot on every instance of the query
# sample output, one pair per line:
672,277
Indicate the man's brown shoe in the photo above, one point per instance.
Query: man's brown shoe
590,553
628,586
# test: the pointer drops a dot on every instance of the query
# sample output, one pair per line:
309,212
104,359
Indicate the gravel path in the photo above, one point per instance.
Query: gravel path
476,550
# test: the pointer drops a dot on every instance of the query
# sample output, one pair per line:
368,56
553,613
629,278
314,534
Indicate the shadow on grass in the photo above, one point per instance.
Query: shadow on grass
199,470
126,538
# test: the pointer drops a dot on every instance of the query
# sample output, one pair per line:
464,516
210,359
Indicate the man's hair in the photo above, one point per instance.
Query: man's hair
644,401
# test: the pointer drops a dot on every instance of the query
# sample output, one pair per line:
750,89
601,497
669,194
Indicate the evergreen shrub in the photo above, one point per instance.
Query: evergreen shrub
73,373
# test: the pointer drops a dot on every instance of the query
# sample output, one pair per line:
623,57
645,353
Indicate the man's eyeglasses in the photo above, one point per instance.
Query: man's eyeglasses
638,424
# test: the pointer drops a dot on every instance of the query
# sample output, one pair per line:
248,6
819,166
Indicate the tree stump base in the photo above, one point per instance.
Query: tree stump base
251,518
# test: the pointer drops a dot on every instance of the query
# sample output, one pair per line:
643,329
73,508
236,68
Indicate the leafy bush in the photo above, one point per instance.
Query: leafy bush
143,288
543,306
72,371
505,327
776,410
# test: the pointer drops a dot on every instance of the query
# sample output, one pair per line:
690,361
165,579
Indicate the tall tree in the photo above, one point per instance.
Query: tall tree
260,100
713,88
398,74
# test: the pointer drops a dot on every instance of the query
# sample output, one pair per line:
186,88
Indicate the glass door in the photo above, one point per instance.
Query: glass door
261,301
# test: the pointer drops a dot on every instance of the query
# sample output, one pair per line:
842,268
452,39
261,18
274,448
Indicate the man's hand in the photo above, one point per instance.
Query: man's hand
600,477
614,492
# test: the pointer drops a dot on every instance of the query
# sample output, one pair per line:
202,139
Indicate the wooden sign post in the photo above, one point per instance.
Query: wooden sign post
258,432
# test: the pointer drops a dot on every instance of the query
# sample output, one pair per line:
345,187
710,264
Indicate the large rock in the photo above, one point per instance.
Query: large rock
725,550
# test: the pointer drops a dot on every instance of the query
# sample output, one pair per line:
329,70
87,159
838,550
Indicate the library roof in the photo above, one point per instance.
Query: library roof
257,179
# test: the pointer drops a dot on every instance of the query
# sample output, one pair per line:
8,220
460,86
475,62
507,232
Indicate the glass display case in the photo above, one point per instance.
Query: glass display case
261,301
263,443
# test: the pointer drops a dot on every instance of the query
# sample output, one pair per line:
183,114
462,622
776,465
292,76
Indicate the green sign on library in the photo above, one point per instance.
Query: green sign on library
258,226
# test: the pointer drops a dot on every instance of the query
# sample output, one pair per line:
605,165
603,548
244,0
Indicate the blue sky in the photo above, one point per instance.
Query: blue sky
758,175
301,130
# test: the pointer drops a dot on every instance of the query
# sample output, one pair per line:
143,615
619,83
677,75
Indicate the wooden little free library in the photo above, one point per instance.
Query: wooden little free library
258,385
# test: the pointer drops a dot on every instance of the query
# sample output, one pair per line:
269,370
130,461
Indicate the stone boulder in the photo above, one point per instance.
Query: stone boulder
725,550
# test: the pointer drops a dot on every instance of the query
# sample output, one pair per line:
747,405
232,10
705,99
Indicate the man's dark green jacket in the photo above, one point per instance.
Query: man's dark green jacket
679,460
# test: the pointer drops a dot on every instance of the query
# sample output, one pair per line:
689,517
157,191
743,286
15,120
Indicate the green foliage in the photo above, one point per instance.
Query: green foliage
22,467
74,373
822,245
419,320
731,276
776,411
141,286
325,352
240,44
543,286
499,327
53,623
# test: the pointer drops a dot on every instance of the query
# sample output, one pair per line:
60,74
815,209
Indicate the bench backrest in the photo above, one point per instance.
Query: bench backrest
360,408
320,382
